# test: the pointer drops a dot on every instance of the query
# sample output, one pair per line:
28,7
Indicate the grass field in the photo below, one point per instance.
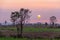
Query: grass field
29,29
10,38
33,29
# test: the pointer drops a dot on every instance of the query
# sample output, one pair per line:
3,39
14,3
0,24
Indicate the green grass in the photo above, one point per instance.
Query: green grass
10,38
9,28
33,29
29,29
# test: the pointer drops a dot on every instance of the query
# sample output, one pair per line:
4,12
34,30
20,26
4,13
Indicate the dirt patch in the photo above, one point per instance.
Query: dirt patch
8,33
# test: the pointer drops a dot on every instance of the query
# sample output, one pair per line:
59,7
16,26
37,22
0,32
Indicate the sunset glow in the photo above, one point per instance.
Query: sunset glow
46,8
38,16
30,3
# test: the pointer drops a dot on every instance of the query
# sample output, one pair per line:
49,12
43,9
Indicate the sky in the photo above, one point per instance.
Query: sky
45,8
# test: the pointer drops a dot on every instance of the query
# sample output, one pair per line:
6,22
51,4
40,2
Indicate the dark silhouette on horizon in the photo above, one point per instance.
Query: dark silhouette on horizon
53,20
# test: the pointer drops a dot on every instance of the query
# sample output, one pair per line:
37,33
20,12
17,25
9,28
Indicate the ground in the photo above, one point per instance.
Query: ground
34,31
10,38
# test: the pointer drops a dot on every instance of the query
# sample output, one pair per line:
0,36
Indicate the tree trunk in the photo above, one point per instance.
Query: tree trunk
21,29
53,24
18,30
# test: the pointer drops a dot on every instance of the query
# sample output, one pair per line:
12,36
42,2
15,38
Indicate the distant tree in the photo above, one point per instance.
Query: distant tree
53,20
0,24
46,23
5,22
22,16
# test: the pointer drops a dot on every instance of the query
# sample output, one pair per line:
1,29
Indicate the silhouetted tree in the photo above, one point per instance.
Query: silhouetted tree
22,16
0,24
5,22
53,20
46,23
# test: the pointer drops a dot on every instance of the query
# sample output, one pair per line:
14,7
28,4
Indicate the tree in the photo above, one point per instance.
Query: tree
5,22
53,20
46,23
22,15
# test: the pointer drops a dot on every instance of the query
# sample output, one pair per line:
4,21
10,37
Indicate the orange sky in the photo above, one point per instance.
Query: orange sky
30,3
17,4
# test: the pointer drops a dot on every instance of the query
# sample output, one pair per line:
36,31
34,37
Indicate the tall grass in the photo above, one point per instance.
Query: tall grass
33,29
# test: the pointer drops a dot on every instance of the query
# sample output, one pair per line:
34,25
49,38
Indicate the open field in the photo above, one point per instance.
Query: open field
32,29
31,32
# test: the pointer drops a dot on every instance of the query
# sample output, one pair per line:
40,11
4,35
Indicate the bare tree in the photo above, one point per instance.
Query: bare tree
22,15
53,20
